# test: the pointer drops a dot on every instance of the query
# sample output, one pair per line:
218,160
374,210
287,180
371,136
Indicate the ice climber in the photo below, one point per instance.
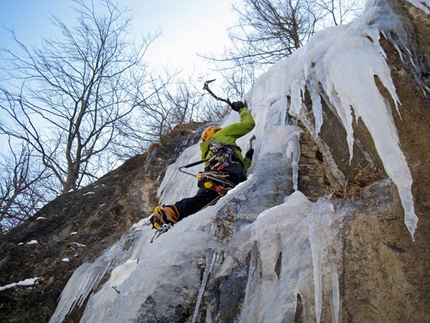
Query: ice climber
225,167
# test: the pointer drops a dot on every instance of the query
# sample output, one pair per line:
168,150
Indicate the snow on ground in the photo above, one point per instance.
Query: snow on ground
25,282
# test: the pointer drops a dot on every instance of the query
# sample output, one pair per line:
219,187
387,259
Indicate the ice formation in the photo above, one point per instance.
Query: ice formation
299,236
351,89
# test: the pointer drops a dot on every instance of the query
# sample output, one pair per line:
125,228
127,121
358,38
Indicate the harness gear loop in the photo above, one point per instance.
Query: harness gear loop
223,155
212,178
215,181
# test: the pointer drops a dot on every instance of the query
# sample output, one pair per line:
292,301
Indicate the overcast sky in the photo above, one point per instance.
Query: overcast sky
188,26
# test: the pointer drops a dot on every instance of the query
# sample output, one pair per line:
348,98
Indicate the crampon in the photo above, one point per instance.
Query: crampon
160,230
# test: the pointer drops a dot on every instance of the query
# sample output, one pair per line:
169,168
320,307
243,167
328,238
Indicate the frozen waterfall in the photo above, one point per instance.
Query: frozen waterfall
291,246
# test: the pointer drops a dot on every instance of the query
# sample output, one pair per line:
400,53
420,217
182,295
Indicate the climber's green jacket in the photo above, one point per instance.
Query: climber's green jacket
230,134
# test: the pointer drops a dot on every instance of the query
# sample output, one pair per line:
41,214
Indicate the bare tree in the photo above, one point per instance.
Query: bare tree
71,93
171,101
20,196
270,30
337,12
172,104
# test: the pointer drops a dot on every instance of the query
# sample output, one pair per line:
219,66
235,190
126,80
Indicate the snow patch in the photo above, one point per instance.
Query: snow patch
32,242
25,282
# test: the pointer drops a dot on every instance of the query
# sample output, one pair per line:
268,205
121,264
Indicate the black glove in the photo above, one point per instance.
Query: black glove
236,106
250,153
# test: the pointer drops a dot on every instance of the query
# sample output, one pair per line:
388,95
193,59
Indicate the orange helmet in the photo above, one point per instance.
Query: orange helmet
209,132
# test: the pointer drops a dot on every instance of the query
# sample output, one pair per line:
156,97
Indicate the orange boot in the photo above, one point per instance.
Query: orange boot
164,215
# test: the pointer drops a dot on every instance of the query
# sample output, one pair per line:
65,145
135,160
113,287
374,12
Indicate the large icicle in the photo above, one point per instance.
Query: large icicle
424,5
323,224
368,103
78,288
340,64
294,244
89,275
293,153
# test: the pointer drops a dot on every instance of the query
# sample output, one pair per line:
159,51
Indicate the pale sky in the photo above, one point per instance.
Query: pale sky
188,26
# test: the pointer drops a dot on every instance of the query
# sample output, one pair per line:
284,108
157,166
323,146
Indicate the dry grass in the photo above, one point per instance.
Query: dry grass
181,130
152,148
354,188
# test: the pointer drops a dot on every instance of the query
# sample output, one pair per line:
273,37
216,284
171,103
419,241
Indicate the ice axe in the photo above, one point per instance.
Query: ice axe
206,87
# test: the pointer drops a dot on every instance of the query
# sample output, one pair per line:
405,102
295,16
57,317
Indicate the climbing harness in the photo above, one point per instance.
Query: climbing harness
212,178
215,181
224,155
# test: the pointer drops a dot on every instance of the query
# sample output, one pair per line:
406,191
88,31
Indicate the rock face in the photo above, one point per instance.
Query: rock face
384,276
76,227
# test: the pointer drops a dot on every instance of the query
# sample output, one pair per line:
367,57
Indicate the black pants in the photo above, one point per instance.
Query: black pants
191,205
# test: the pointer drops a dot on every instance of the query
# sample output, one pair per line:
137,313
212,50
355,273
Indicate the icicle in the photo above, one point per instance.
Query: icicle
78,288
252,267
323,239
315,240
284,106
335,292
316,107
424,5
89,275
208,270
293,153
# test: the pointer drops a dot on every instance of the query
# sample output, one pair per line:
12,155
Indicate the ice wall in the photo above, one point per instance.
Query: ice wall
295,245
290,249
341,63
